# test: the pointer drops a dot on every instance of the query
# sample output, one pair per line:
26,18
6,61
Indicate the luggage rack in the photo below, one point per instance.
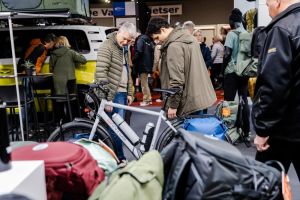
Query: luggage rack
46,18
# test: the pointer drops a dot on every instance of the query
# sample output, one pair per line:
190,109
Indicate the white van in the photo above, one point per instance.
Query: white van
85,39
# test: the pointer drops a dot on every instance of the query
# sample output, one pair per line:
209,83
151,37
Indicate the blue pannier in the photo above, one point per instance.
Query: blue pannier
207,125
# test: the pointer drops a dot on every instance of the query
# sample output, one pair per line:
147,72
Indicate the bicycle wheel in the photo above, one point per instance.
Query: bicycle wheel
73,131
168,135
91,103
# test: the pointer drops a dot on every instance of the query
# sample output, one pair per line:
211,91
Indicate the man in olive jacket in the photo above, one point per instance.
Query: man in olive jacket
112,67
182,67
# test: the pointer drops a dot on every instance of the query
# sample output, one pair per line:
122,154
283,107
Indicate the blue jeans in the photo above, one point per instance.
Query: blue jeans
121,98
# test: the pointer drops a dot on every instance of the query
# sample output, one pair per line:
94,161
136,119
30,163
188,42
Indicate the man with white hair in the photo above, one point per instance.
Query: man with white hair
276,108
113,67
189,26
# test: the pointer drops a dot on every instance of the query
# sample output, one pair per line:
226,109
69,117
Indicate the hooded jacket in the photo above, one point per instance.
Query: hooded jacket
63,61
36,53
276,107
143,54
182,66
110,65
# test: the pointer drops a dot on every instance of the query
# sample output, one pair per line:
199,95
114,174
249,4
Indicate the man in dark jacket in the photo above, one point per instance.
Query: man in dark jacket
276,108
143,61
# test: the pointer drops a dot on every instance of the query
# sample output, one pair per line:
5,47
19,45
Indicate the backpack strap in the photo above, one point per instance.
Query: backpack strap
180,161
244,192
236,32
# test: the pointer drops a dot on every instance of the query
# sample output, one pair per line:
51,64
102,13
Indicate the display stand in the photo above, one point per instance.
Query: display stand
25,178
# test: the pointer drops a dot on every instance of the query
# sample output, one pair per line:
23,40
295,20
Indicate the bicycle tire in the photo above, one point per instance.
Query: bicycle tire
168,135
73,130
92,102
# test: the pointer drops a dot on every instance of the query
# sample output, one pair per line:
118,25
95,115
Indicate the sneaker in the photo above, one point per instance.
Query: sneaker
145,103
158,100
122,163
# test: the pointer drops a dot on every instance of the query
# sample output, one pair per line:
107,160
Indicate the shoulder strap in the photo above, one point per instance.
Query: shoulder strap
174,177
237,33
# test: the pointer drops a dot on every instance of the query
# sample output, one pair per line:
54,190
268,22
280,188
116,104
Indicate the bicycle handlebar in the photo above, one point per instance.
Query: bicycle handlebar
100,85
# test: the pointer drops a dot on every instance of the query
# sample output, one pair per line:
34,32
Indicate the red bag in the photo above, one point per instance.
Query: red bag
70,170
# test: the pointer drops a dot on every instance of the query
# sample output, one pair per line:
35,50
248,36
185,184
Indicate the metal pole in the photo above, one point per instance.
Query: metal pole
15,73
4,140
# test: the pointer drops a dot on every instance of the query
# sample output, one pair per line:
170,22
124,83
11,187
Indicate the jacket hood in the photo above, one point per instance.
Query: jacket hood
60,51
112,36
178,35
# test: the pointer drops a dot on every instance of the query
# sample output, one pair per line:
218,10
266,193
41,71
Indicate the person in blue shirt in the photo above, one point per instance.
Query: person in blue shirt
232,82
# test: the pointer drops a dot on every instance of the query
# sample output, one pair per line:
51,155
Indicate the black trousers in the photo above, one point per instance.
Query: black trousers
215,72
282,151
233,84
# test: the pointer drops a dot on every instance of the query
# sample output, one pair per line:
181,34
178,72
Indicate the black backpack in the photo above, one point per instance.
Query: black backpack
258,40
197,167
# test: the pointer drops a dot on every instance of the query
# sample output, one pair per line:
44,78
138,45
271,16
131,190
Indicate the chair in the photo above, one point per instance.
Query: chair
8,94
70,96
43,87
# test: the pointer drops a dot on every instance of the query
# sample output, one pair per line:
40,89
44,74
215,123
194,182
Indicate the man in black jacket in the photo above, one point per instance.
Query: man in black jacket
276,108
143,61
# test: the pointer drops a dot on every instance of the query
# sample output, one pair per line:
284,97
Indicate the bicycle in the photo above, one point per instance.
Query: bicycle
97,131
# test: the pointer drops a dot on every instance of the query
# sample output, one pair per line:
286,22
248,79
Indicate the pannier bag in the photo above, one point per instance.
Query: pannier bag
206,124
105,156
71,172
233,114
139,180
198,167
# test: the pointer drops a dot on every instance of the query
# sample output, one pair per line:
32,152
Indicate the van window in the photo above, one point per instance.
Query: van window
77,38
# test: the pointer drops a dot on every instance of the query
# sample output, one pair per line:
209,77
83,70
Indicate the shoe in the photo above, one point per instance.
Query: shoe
158,100
122,163
247,140
145,103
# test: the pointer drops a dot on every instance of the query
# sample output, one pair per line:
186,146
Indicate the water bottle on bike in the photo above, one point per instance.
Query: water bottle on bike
128,132
149,129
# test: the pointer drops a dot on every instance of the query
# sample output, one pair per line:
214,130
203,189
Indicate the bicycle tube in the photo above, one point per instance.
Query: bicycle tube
75,130
167,135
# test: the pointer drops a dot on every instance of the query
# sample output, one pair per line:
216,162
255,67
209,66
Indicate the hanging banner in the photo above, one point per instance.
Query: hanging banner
102,12
123,8
165,9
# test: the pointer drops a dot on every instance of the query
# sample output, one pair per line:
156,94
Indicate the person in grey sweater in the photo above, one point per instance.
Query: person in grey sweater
217,55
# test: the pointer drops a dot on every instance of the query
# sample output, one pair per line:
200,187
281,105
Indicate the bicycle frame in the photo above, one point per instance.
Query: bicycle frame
134,150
